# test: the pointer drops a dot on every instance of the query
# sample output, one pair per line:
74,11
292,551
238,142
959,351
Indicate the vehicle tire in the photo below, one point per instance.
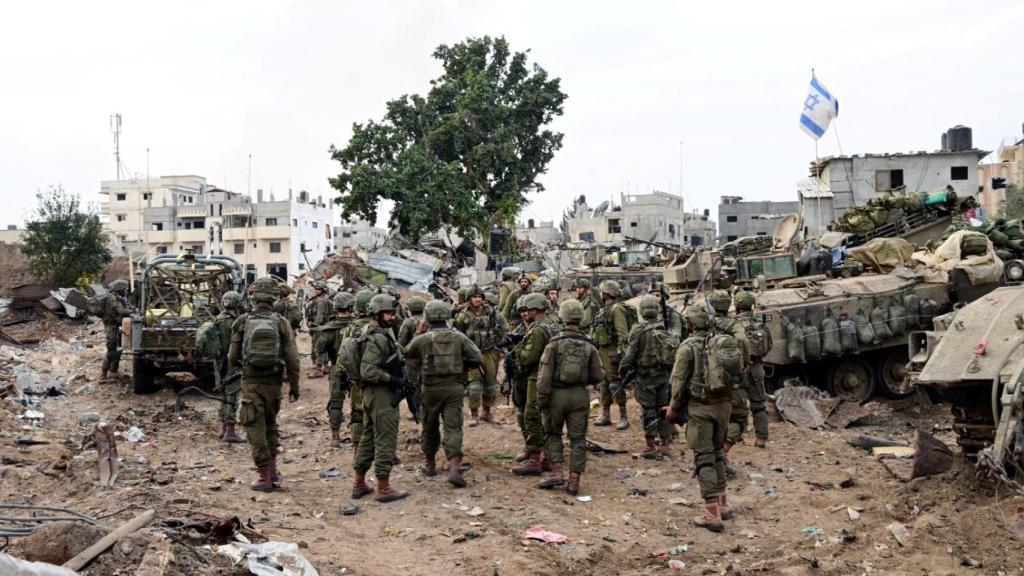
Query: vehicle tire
143,377
852,379
892,373
1014,271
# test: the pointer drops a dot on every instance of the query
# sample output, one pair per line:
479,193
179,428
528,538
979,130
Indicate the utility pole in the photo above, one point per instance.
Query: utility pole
682,205
115,127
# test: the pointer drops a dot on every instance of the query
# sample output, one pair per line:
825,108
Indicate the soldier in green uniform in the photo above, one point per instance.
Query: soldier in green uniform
327,344
668,315
551,293
724,322
318,311
231,307
528,363
518,380
582,287
378,376
288,308
508,290
609,332
485,327
263,346
114,308
708,416
760,341
650,350
570,363
411,325
523,288
438,359
355,330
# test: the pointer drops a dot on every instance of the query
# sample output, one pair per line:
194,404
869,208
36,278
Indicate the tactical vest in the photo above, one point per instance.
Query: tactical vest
445,356
483,329
572,360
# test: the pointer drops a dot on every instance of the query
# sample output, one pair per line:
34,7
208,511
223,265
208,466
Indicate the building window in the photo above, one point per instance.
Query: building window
754,217
198,224
586,236
346,235
197,249
632,224
161,249
313,224
958,172
295,222
730,238
271,221
730,218
121,197
302,247
613,226
148,196
158,226
121,217
762,233
354,232
239,248
302,266
275,247
886,180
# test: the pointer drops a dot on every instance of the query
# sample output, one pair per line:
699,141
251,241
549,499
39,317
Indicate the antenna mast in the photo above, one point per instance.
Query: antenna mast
115,127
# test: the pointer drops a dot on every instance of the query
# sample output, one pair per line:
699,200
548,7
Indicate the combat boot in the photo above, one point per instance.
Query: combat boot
455,472
761,443
723,506
359,487
274,476
711,519
623,419
263,483
606,417
522,456
487,416
545,464
573,486
666,448
385,493
230,436
103,374
556,479
335,438
220,435
474,417
650,451
429,465
531,467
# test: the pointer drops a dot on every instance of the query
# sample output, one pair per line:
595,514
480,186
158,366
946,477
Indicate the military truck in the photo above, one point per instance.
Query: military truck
176,294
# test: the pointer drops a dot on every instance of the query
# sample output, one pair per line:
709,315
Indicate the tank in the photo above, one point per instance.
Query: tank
966,362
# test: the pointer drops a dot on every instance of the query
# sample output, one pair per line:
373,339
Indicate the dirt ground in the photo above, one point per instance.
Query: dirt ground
792,515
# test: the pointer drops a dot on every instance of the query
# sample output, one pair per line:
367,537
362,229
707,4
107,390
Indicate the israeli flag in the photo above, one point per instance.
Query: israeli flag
820,107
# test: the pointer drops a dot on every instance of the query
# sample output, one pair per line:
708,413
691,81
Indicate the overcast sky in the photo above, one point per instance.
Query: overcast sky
204,84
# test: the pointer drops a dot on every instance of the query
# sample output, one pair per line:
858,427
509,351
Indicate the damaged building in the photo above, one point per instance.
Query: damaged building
658,217
738,218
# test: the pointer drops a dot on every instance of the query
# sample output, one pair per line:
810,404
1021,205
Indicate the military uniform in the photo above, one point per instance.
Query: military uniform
261,387
755,330
652,384
230,393
610,331
570,363
410,326
115,308
485,327
740,410
379,441
327,348
509,311
528,356
438,360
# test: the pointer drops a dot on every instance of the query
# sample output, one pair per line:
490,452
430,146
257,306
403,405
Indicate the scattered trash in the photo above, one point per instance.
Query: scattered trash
813,530
134,435
899,531
676,550
638,492
508,457
866,441
848,483
677,564
475,511
679,502
350,510
595,446
818,486
27,441
853,514
755,476
750,534
622,477
675,487
584,498
769,491
31,415
332,473
17,567
804,406
471,535
970,563
268,558
538,533
106,449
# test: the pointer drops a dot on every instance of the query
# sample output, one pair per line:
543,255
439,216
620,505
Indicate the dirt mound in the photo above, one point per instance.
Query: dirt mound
14,269
59,542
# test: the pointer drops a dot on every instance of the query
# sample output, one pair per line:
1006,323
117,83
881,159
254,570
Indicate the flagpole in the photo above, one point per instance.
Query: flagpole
817,179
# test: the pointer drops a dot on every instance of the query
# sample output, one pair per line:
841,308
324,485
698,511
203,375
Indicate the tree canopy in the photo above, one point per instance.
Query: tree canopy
62,242
462,158
1013,206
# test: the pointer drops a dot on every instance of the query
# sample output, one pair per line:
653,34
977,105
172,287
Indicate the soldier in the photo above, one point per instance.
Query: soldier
327,348
231,307
550,292
411,325
114,308
486,329
263,346
355,330
318,311
708,418
379,375
582,287
523,289
760,340
518,378
668,315
720,301
527,363
288,308
507,288
570,363
438,360
650,351
610,332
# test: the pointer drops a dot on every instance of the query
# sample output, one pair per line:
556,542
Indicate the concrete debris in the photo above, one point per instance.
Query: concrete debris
805,406
12,566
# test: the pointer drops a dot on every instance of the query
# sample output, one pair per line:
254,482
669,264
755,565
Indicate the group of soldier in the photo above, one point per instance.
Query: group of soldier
371,347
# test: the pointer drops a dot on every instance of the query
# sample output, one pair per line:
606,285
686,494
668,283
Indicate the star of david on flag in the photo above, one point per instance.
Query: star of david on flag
820,107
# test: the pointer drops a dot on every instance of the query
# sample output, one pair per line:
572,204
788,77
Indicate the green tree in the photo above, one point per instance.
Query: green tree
62,242
462,158
1013,206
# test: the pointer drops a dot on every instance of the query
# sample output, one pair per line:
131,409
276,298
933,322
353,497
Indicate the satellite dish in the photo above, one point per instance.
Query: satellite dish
785,231
600,209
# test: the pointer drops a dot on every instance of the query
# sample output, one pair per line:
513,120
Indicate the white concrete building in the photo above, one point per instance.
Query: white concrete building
657,216
358,233
173,214
543,232
11,235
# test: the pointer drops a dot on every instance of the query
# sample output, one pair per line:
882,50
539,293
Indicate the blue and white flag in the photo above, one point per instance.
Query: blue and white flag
820,107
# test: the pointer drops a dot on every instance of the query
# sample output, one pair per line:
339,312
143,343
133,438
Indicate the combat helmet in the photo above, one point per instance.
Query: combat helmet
436,311
745,300
231,300
363,298
284,289
581,283
611,288
720,301
697,315
343,301
118,286
571,312
535,301
381,303
416,304
510,273
265,290
649,307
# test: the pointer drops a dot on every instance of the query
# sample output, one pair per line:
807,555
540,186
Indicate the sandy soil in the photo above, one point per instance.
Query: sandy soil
792,515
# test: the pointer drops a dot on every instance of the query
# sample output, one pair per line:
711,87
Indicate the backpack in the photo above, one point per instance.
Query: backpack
350,351
208,341
831,341
723,364
445,357
865,332
848,335
812,341
880,323
261,344
660,352
573,359
795,342
631,314
759,337
293,313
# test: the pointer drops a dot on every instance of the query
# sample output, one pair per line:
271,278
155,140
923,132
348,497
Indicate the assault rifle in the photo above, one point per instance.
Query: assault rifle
509,363
406,389
625,382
